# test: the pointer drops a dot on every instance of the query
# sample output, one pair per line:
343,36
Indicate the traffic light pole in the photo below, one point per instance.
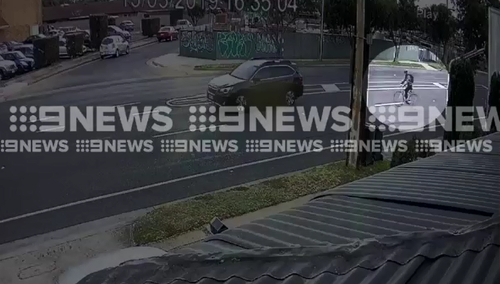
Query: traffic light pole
358,89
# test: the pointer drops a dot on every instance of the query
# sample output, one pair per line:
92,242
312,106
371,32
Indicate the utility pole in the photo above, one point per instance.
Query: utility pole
321,30
358,103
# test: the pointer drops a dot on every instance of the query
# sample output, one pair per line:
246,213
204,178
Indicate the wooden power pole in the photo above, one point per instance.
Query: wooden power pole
358,90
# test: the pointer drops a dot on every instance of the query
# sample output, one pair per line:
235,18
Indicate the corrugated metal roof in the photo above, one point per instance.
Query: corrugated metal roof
469,255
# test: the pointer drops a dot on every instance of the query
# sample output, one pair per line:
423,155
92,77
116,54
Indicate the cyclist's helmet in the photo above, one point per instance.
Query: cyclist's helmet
406,71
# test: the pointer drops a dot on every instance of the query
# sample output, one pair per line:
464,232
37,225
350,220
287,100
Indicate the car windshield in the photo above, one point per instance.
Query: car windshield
165,29
62,43
107,41
244,71
19,55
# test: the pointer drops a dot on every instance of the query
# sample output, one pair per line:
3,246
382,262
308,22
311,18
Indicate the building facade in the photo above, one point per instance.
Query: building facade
19,19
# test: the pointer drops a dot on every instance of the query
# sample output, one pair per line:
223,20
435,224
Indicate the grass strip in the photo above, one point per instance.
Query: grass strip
177,218
231,66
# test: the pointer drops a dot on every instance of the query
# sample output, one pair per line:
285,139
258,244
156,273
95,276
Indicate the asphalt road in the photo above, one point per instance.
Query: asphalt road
42,192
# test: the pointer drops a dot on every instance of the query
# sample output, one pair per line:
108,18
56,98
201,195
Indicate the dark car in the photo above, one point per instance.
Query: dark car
23,63
114,30
167,34
258,82
127,25
11,44
26,49
32,38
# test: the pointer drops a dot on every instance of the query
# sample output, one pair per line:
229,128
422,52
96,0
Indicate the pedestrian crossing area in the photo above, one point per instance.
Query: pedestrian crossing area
396,85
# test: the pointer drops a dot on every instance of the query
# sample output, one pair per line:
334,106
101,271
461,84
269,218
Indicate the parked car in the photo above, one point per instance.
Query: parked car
167,34
114,46
8,69
3,48
26,49
32,38
114,30
258,82
127,25
23,63
11,44
67,29
183,25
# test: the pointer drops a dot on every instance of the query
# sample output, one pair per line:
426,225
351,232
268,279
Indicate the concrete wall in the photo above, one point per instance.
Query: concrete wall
241,45
23,16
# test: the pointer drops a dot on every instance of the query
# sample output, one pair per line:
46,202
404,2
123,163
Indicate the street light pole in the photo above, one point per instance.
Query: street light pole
321,29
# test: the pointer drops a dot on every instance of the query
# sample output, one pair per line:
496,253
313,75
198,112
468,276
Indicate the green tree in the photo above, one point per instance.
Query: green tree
340,17
196,14
442,28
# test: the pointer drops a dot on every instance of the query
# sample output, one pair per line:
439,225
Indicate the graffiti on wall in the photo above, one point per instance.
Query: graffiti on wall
340,40
197,41
265,43
236,45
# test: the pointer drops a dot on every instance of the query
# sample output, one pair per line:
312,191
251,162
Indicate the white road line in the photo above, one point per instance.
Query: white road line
127,104
183,131
146,112
51,129
137,189
388,104
45,118
387,89
439,85
329,88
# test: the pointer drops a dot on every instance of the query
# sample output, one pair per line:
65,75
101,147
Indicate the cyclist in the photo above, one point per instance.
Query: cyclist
408,81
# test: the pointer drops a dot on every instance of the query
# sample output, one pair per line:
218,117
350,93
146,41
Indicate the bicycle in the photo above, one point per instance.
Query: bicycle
412,97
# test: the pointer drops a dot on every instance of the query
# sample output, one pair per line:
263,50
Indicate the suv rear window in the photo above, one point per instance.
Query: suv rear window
244,71
281,71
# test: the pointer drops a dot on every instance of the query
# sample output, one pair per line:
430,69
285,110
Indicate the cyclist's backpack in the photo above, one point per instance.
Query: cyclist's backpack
410,78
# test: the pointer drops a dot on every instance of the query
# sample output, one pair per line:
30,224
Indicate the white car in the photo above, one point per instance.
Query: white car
114,46
183,25
8,69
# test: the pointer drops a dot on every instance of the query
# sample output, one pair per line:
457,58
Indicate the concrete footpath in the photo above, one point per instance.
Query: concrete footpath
42,259
14,86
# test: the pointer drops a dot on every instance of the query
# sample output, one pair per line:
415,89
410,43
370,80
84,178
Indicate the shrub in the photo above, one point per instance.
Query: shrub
461,92
494,97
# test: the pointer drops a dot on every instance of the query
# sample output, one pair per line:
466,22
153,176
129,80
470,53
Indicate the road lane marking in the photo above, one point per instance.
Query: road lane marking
45,118
388,104
331,88
388,89
146,112
141,188
127,104
439,85
185,131
137,189
50,129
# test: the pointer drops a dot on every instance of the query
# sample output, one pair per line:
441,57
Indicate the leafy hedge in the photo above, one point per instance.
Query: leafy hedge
461,93
494,97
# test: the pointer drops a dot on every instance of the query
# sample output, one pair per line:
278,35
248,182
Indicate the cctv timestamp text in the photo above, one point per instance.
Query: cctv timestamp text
231,5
